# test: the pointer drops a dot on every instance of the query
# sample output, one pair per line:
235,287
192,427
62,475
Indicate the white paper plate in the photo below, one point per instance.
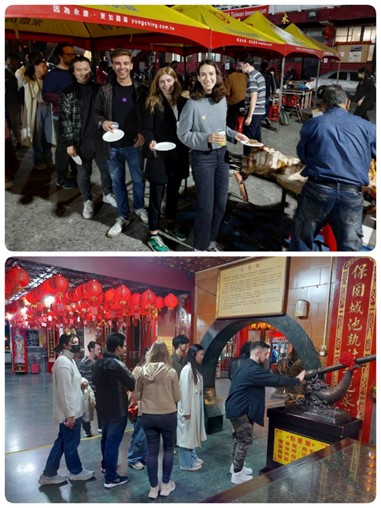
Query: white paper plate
253,145
164,146
77,159
114,135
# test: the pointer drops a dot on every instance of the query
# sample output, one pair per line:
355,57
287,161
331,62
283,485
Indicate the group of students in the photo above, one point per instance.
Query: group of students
168,392
170,407
67,108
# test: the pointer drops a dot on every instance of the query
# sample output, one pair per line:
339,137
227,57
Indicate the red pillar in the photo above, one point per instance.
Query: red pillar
241,337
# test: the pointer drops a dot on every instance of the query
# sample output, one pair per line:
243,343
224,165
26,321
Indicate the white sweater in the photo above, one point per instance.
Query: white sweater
67,393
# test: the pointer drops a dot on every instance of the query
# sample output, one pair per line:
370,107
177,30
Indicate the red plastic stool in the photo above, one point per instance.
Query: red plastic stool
329,237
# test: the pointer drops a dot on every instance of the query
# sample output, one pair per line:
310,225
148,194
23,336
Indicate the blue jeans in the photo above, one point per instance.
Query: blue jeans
253,131
188,458
137,451
112,435
318,205
117,168
67,443
211,175
155,426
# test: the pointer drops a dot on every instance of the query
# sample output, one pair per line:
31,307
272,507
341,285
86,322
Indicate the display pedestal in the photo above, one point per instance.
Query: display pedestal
294,434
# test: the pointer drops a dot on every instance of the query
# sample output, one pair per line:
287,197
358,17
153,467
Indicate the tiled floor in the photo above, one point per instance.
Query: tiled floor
30,432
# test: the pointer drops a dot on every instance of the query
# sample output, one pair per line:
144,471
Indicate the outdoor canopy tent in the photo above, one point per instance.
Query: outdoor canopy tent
299,34
100,27
229,33
293,45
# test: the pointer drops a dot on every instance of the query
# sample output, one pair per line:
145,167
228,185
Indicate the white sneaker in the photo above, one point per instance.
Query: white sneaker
167,488
118,227
246,470
110,199
52,480
154,492
82,476
214,247
196,466
241,477
142,214
88,209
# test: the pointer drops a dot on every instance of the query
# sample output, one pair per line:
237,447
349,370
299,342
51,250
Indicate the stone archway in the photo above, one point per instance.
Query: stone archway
219,334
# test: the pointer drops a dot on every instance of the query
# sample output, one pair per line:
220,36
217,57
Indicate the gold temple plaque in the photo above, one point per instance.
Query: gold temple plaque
253,288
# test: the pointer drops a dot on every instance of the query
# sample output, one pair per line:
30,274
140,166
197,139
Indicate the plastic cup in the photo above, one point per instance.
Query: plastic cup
221,132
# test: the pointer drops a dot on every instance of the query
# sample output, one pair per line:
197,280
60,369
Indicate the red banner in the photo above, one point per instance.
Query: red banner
353,322
243,13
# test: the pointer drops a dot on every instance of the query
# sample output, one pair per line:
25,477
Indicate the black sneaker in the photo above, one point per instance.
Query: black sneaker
119,480
66,184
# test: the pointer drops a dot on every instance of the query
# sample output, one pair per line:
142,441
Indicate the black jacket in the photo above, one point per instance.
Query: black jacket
112,379
103,108
160,125
247,391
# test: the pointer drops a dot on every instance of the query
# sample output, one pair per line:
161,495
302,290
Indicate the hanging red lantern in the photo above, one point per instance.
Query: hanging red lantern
12,308
148,299
122,293
93,288
58,283
135,299
17,276
45,288
109,296
171,301
159,303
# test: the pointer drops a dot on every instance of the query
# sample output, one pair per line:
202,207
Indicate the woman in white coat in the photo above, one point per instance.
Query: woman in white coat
190,410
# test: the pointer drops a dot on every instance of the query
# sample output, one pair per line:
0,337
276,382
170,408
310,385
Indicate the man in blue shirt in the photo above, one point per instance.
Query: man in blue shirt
336,149
245,404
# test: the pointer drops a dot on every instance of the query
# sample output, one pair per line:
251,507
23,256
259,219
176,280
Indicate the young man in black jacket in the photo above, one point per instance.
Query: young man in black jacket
80,135
245,404
121,101
112,379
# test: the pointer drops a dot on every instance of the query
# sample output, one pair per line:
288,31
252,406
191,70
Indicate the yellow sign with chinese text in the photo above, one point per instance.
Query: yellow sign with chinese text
289,447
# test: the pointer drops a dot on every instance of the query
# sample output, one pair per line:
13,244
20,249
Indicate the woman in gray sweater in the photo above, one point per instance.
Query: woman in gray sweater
202,128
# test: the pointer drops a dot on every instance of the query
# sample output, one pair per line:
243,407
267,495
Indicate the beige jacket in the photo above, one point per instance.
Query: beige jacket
157,388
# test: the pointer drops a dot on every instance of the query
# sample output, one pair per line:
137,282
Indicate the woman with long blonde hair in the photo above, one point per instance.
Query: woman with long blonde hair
158,390
164,170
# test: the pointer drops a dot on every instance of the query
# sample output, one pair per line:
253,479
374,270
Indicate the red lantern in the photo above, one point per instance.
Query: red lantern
171,301
159,303
12,307
45,288
148,299
122,293
109,295
93,288
17,276
58,283
135,299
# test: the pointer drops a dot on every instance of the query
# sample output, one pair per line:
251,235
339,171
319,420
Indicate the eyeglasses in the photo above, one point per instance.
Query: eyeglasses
69,54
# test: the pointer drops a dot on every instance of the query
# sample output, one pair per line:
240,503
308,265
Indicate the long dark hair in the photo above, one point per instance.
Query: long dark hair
218,92
35,58
191,358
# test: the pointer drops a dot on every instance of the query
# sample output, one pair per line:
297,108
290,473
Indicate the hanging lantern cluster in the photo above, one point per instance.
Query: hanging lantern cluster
87,304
